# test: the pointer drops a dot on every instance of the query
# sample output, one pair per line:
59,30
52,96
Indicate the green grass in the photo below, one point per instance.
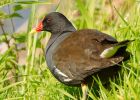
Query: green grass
33,81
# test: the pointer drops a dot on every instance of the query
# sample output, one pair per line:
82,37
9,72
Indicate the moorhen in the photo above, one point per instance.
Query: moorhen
74,55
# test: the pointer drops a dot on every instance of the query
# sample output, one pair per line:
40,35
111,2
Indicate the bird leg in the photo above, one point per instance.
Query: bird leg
84,90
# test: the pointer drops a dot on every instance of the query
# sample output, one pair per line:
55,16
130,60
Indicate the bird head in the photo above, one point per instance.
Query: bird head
54,22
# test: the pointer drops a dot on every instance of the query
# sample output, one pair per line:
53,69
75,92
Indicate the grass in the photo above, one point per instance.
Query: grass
34,81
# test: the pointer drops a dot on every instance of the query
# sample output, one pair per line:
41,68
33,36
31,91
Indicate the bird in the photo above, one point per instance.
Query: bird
73,55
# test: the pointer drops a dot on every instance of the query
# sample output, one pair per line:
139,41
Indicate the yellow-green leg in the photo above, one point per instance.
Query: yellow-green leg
84,91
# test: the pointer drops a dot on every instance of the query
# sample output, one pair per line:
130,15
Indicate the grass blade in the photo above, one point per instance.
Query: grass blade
10,86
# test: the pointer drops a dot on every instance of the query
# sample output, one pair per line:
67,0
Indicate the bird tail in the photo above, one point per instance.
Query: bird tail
122,50
111,51
124,43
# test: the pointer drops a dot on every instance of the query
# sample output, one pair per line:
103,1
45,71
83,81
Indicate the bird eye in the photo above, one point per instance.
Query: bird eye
48,20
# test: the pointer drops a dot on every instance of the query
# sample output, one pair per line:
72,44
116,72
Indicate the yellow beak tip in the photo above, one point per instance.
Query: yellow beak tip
33,31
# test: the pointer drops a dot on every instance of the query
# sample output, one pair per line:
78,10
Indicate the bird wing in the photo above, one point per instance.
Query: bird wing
78,56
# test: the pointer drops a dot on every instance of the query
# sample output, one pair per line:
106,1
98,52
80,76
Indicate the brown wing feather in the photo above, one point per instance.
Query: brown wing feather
78,54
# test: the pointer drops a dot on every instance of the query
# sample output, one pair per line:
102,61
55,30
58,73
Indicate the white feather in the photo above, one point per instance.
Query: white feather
65,77
67,80
109,52
60,73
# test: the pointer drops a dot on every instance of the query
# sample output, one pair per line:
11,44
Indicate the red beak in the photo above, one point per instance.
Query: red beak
39,27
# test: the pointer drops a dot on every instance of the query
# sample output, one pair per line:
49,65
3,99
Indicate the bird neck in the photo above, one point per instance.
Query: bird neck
55,35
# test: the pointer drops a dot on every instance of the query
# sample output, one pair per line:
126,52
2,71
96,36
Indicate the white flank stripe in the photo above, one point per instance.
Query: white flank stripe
67,80
60,73
65,77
